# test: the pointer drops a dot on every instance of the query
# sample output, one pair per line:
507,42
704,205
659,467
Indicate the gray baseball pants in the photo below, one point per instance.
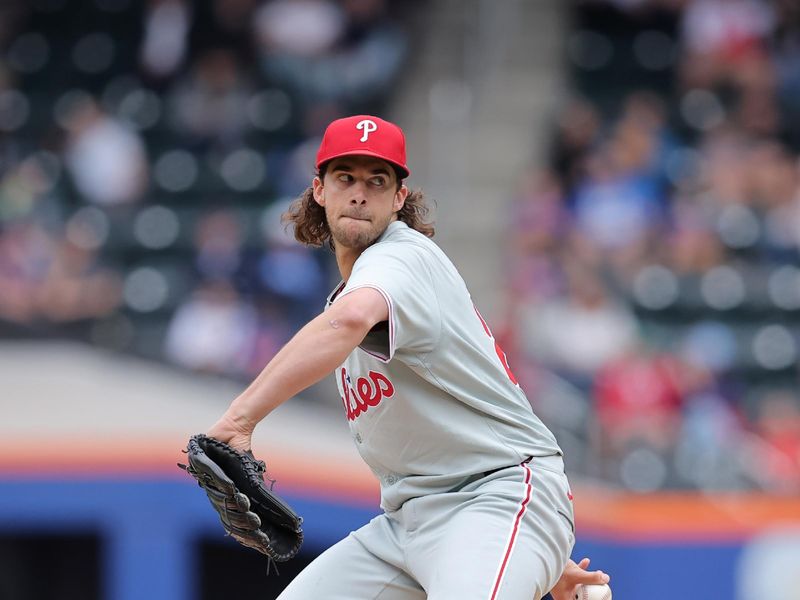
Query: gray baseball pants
506,536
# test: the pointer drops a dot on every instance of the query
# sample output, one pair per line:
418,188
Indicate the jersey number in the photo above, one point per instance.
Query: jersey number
500,354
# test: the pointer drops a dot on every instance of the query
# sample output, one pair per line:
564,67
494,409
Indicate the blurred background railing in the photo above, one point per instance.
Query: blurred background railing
618,181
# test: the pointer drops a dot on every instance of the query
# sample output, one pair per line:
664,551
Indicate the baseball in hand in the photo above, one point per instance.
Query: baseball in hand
593,592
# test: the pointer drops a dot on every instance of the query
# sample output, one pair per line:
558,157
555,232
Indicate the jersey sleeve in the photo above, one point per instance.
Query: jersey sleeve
398,271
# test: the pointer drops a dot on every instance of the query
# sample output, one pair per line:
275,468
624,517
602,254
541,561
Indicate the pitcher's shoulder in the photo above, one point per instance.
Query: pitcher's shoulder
403,240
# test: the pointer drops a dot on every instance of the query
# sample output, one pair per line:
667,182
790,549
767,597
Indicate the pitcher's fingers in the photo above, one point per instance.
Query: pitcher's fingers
591,577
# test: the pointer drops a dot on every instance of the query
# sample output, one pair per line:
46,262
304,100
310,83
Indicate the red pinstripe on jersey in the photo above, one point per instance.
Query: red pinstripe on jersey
513,537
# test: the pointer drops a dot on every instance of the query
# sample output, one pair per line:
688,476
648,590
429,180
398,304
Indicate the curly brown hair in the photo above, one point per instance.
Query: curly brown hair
311,225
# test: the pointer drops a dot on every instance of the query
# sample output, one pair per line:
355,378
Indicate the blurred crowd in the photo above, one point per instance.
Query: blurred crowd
147,150
655,262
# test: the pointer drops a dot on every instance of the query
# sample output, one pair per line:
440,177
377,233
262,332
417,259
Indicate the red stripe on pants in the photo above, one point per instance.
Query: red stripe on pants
514,531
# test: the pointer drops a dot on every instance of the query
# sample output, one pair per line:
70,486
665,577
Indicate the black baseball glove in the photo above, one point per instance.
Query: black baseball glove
249,510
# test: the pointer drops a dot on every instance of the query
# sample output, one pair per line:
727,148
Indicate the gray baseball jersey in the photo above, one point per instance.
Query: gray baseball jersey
430,399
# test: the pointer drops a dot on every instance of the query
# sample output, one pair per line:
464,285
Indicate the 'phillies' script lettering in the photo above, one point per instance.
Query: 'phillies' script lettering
367,393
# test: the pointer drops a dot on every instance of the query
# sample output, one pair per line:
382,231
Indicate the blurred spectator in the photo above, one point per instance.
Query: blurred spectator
718,35
578,334
373,50
578,130
299,28
726,45
224,24
725,167
786,54
23,248
778,425
643,123
106,159
48,278
773,174
208,105
214,331
346,53
165,41
708,448
692,246
219,246
538,213
537,223
27,188
289,272
274,329
619,200
617,209
638,400
75,287
297,167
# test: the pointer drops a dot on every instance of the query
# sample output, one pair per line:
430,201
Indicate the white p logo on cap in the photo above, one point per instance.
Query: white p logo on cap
368,126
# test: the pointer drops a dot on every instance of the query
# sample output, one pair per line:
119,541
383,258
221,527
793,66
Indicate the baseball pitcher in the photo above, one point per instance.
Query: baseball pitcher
475,500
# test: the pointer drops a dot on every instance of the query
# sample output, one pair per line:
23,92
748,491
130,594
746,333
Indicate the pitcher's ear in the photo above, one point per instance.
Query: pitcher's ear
317,189
400,198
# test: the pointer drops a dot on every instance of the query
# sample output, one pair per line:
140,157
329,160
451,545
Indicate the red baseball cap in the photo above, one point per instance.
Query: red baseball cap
364,135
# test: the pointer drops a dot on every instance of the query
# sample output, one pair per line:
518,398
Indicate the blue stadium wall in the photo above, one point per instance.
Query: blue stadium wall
149,521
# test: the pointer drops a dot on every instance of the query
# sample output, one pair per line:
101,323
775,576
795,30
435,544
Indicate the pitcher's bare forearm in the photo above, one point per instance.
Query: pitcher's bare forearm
314,352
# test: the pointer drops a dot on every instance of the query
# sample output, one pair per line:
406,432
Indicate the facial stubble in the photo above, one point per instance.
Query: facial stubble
359,239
